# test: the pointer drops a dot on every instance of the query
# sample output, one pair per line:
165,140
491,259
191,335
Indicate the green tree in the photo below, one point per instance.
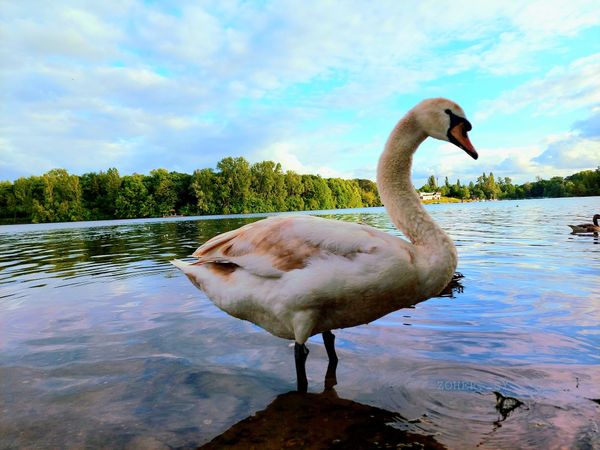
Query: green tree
345,193
369,193
61,200
586,182
555,187
295,190
267,187
26,190
464,193
234,180
446,188
99,193
455,190
431,185
507,188
490,188
185,201
316,194
7,201
163,190
203,187
133,199
110,183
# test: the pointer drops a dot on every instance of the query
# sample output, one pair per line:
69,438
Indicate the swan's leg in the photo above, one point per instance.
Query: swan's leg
300,354
330,376
329,341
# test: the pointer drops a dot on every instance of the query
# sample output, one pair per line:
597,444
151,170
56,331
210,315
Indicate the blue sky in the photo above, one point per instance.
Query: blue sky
316,86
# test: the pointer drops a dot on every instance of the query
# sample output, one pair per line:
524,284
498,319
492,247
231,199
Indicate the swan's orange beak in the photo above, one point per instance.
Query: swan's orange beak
461,139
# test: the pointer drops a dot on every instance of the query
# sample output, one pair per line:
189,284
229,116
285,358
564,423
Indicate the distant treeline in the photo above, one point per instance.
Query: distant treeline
235,187
487,187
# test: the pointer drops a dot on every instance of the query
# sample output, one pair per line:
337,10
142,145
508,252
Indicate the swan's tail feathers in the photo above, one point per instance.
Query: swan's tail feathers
180,264
189,269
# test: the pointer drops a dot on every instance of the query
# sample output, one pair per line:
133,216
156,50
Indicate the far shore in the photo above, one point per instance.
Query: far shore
6,225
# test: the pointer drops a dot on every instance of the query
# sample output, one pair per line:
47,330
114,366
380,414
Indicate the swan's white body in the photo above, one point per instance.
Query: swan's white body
299,276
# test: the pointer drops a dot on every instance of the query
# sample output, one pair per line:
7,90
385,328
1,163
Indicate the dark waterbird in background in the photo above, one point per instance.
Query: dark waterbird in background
587,227
300,276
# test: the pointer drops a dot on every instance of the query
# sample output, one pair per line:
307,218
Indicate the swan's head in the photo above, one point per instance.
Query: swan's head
445,120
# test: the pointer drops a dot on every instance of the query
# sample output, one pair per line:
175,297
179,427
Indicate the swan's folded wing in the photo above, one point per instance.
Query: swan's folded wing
273,246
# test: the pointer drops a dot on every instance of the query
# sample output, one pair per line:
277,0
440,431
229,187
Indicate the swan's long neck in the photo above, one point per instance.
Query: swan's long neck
401,200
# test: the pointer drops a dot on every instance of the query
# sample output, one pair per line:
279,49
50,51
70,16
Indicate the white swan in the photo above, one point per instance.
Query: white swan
299,276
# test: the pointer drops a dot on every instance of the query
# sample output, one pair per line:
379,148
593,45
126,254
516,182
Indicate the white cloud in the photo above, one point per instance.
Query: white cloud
508,54
555,155
193,36
448,160
557,16
316,160
590,127
284,153
561,89
573,153
575,150
56,30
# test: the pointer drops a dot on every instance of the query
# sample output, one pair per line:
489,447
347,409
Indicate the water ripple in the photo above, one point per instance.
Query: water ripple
99,331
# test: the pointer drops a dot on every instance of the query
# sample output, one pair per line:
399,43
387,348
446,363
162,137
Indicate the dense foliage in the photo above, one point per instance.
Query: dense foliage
487,187
236,186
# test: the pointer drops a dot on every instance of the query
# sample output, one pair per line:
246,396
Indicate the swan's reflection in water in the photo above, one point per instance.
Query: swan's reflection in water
320,421
455,286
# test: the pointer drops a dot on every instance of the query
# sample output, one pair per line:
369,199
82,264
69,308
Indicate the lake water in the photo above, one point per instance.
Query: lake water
104,344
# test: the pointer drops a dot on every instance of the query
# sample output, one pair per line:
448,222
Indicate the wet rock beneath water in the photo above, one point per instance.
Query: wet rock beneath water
506,405
320,421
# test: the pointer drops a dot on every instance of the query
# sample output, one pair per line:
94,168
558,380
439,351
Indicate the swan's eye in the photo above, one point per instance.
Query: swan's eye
455,120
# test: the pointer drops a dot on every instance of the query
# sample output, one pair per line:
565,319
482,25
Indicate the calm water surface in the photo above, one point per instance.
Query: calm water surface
104,344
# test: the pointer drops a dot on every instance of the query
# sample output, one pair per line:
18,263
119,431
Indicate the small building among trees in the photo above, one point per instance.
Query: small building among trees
430,195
